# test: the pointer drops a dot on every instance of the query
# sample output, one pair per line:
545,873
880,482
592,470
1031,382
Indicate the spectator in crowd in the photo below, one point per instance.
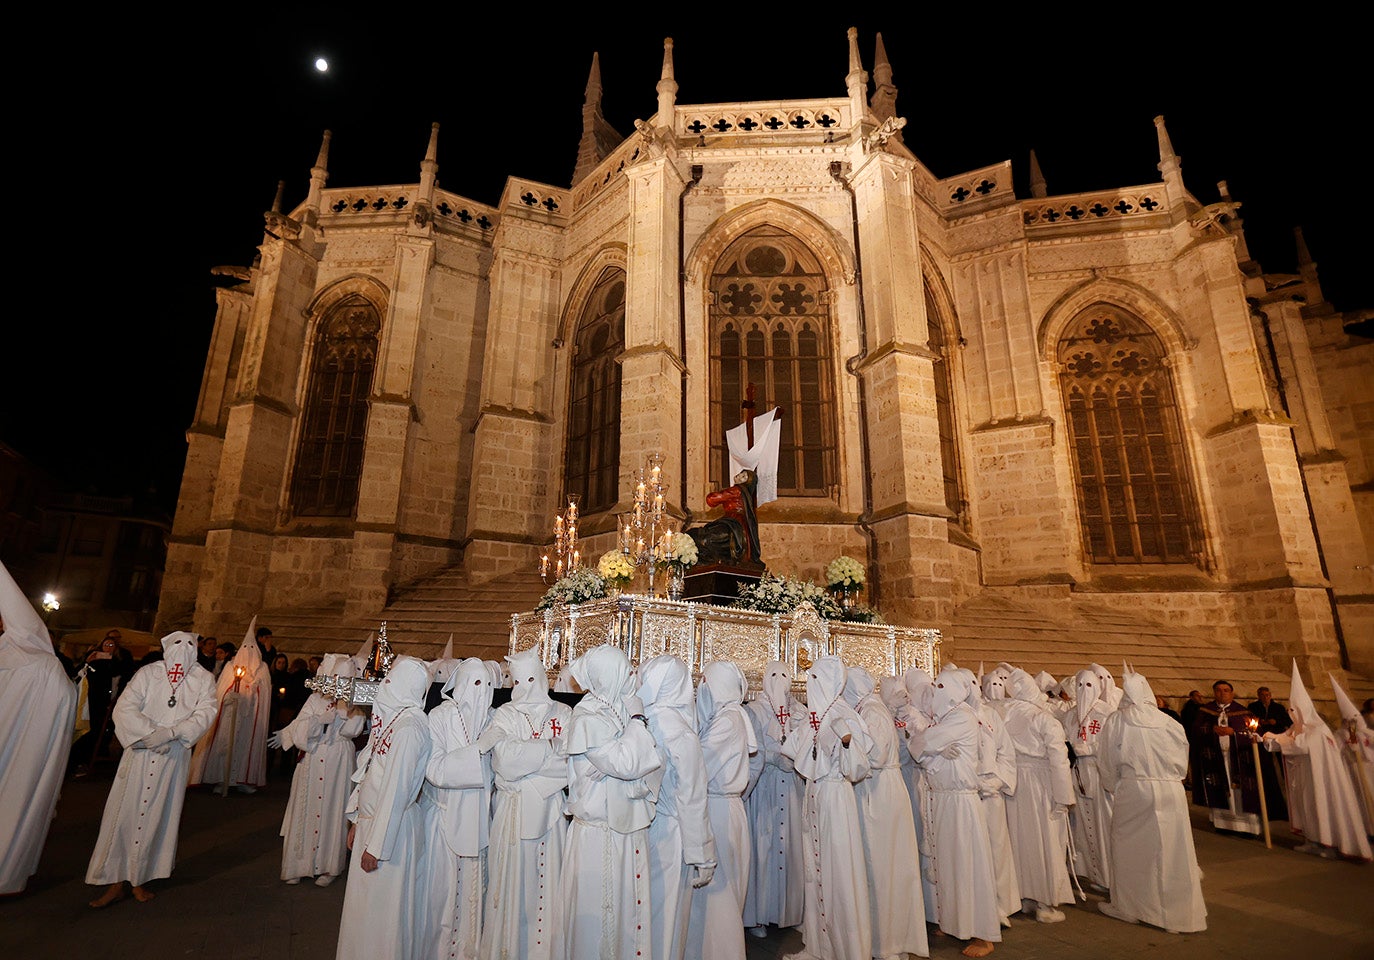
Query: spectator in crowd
265,644
205,655
109,666
1167,710
313,666
1272,715
224,652
1190,707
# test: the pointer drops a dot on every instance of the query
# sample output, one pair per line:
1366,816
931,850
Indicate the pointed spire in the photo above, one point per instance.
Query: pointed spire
667,86
1304,255
884,100
319,175
599,138
1172,169
856,80
1037,179
276,201
429,166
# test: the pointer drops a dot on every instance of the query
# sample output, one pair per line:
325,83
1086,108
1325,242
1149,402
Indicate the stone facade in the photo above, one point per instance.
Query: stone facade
945,298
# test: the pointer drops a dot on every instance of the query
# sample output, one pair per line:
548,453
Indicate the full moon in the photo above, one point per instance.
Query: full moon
321,64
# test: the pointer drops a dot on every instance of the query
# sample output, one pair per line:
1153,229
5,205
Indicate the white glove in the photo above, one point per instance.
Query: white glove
702,874
274,741
634,705
158,738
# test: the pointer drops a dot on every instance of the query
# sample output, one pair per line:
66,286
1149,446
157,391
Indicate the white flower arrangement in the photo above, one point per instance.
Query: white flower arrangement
845,572
682,552
784,594
581,585
615,568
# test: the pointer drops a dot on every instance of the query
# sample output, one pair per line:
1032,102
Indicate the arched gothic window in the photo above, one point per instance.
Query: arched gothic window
770,326
592,461
1135,499
329,454
944,411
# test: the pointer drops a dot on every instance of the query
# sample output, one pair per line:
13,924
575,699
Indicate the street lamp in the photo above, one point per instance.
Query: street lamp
50,606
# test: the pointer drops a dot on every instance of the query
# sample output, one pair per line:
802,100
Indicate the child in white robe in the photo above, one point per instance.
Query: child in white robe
313,829
682,849
728,749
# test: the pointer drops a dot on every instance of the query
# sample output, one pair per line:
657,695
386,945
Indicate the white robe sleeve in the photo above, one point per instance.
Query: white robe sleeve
131,723
629,756
694,819
452,765
202,717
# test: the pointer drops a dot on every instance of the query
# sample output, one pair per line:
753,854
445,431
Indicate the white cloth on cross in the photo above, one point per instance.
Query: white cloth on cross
762,457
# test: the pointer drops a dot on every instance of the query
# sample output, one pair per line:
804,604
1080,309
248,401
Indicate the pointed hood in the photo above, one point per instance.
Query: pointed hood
1022,686
249,655
1087,686
1349,712
498,673
777,684
25,634
469,688
825,683
1137,705
994,687
529,680
404,686
1045,681
441,668
1300,706
1107,688
364,654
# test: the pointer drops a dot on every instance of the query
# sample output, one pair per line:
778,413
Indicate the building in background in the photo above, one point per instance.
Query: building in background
1058,402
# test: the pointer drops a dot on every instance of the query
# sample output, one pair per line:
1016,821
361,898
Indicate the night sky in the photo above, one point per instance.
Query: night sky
156,163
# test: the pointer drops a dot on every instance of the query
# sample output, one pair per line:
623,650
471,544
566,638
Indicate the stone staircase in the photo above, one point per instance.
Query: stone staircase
1064,637
419,619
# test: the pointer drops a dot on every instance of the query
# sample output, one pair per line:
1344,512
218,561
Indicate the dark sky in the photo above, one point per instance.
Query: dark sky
158,167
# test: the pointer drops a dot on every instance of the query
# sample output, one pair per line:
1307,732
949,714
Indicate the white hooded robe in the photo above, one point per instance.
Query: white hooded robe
456,800
313,828
716,928
603,906
1091,816
1142,757
234,750
525,847
138,833
836,919
384,911
680,836
889,831
774,806
38,714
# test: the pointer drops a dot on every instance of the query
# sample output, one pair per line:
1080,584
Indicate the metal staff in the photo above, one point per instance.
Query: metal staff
1259,777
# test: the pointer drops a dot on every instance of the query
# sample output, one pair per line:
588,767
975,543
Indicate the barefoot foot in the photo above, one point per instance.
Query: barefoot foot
143,894
977,948
113,894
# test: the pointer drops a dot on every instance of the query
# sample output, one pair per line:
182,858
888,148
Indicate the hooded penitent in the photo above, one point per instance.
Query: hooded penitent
722,688
918,686
777,690
894,695
1107,690
603,673
829,715
952,687
37,713
1138,702
858,685
443,666
529,681
994,687
403,688
469,688
1087,691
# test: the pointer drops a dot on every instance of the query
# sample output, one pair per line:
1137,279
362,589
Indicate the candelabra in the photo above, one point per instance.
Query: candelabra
645,536
379,664
567,554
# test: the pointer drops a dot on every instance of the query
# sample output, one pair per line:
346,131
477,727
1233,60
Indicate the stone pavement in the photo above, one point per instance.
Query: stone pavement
225,899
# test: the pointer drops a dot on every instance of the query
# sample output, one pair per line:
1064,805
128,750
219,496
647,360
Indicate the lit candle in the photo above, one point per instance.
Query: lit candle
544,565
577,558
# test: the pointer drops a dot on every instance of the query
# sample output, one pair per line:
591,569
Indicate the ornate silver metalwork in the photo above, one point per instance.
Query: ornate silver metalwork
645,627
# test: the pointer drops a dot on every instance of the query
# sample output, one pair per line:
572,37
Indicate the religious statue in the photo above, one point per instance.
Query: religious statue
734,538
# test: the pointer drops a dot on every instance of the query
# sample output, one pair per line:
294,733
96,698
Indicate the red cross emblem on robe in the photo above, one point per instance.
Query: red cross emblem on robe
783,716
815,721
175,672
555,726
